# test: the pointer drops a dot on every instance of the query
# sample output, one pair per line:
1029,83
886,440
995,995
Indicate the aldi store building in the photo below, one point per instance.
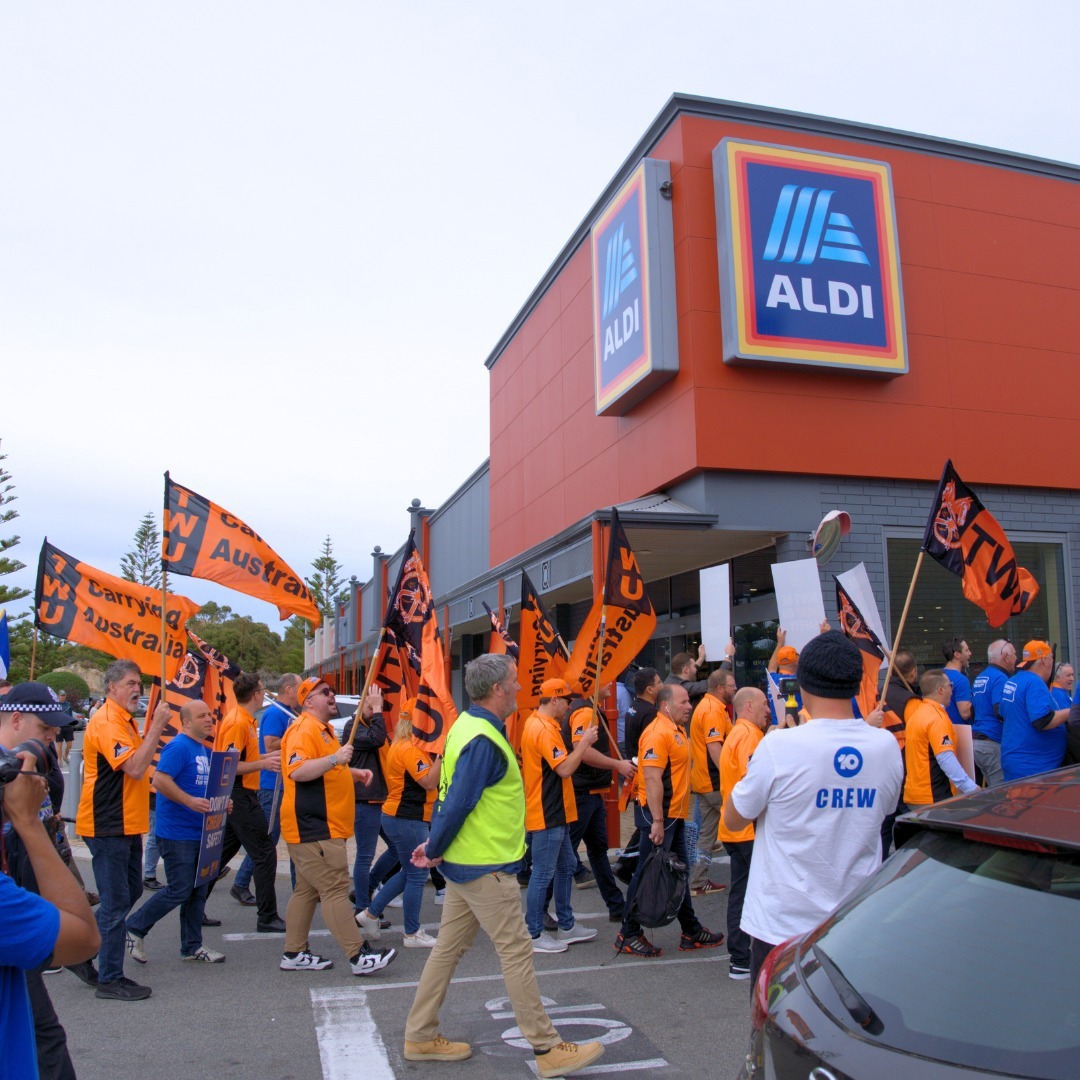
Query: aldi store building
767,316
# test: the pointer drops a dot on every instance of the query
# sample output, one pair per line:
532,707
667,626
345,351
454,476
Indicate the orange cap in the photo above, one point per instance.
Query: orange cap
305,688
787,657
1036,650
550,688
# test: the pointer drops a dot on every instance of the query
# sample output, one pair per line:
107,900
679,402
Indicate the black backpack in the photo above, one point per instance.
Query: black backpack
661,889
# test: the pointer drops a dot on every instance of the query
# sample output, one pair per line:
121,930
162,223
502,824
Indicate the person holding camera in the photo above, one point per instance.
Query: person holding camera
54,926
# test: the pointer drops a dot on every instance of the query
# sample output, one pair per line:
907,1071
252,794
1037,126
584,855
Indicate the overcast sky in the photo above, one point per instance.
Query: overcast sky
269,245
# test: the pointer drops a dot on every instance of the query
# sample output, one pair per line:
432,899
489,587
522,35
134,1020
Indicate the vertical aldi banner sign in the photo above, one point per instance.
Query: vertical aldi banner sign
966,539
218,791
201,539
809,261
122,618
633,275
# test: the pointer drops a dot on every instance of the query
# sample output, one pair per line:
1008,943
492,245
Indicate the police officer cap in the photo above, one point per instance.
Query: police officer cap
36,698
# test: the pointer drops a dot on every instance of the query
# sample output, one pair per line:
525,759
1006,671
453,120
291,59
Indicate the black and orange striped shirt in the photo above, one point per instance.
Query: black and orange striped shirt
404,766
664,746
710,725
112,802
320,809
237,731
549,798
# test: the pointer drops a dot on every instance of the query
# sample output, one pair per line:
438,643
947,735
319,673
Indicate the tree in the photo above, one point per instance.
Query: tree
326,582
143,562
73,685
9,594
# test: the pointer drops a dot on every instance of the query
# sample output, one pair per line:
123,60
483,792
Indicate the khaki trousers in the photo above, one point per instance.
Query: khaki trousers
710,803
322,876
491,903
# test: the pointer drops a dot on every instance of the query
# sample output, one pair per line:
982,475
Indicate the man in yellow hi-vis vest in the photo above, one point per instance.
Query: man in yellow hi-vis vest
478,837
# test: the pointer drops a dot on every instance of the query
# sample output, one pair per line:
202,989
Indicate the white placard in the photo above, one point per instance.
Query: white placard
857,584
715,585
798,600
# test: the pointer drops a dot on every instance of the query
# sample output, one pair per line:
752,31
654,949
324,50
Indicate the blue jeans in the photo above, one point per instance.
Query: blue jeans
553,859
247,867
118,874
405,836
151,853
181,861
367,820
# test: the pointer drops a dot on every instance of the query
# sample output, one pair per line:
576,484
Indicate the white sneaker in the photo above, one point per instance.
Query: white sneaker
577,933
546,943
369,924
304,961
136,948
203,955
396,902
369,960
440,897
420,940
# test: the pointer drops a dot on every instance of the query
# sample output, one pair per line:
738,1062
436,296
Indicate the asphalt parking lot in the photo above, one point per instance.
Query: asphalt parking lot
679,1014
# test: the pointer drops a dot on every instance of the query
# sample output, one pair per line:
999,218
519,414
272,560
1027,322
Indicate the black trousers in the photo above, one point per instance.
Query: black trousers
246,828
759,950
738,939
54,1062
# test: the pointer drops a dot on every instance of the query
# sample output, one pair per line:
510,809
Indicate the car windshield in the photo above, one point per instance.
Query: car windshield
966,952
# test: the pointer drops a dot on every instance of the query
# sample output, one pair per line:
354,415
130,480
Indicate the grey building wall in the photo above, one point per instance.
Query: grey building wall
459,535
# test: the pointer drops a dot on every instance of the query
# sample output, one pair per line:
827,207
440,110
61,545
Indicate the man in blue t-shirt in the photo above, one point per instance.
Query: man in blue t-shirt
1061,689
1033,737
986,698
56,923
957,655
180,780
275,720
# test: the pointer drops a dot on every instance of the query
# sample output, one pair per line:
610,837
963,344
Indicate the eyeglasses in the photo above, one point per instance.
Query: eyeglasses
321,690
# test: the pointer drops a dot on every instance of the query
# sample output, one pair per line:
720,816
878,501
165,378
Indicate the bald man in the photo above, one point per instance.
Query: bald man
180,780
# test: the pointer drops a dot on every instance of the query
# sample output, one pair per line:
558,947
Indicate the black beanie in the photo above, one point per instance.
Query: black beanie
830,666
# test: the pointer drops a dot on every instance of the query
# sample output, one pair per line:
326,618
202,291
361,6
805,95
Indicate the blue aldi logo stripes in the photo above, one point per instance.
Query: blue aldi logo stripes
809,262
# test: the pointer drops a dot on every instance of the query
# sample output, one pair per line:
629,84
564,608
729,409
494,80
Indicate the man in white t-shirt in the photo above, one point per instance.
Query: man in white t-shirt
819,793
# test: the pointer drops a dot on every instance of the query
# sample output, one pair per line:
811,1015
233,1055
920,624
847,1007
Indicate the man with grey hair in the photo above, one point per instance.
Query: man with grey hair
278,716
986,695
1061,689
478,835
114,812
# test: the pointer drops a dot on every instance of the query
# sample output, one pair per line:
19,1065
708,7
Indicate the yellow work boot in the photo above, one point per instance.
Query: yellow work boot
567,1058
440,1049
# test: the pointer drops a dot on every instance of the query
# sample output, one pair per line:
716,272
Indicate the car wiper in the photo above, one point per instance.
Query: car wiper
853,1001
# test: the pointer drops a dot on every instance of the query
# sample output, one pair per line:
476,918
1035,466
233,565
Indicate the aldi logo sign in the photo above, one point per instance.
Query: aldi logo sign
633,268
809,264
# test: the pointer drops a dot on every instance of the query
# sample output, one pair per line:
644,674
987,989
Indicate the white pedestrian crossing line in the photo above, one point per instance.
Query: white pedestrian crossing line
347,1034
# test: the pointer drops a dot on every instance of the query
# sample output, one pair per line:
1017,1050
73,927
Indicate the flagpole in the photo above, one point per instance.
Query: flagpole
33,654
903,619
368,677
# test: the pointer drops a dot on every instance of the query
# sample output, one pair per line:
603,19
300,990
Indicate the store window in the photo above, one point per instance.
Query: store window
939,610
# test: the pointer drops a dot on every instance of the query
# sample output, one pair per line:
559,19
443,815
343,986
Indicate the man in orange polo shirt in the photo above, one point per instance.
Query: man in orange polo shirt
933,770
246,824
547,766
663,803
114,812
709,727
752,720
316,820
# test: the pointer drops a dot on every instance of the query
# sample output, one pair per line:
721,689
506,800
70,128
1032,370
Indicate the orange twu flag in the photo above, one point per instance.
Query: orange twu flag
501,641
855,628
623,617
122,618
410,660
965,538
202,540
541,654
204,675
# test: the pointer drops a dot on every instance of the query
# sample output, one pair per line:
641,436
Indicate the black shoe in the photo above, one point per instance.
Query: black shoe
703,939
624,872
207,921
224,873
549,923
152,884
242,896
85,971
272,926
384,924
123,990
615,917
93,899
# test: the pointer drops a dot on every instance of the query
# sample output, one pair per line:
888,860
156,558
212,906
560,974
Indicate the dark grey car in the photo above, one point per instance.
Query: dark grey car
960,957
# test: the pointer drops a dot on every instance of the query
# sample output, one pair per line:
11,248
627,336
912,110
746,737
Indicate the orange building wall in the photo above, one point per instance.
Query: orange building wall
991,275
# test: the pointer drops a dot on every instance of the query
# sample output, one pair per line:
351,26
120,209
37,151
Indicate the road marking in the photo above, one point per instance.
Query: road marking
615,1066
346,1033
551,1010
257,936
622,966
